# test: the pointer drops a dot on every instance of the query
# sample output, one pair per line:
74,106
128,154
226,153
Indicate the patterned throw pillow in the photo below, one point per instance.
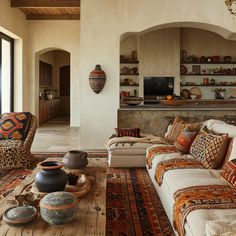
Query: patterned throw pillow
133,132
229,172
209,148
184,140
14,125
178,126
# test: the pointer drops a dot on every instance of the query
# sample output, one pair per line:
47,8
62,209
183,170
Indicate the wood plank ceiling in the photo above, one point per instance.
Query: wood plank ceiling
49,9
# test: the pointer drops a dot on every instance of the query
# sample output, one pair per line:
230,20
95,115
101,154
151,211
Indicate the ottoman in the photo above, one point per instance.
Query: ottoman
128,154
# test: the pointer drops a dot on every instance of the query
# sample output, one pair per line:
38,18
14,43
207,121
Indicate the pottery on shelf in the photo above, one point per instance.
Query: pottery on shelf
58,208
97,79
51,178
75,159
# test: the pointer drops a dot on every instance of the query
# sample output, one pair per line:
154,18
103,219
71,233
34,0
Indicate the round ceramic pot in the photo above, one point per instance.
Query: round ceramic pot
58,208
75,159
97,79
51,178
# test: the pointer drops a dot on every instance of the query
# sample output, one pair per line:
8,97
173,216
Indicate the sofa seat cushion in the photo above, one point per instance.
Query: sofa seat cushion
13,154
204,216
222,228
177,179
129,148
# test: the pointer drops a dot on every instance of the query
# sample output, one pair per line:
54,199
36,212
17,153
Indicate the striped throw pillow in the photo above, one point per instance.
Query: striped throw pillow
178,126
133,132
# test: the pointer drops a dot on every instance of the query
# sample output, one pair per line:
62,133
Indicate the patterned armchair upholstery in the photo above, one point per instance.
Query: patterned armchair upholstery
15,151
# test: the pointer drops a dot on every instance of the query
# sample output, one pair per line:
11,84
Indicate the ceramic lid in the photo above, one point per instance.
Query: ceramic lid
58,200
19,215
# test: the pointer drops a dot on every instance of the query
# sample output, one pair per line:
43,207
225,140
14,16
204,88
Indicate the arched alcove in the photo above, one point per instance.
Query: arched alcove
159,52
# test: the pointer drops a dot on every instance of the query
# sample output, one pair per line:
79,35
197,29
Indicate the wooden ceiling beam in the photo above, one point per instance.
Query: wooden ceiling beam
53,17
44,3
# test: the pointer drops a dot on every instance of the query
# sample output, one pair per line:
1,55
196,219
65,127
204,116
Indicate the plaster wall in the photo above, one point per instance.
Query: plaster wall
159,55
14,24
55,35
102,24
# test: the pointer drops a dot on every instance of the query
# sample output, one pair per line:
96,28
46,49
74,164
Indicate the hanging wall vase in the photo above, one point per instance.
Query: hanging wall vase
97,79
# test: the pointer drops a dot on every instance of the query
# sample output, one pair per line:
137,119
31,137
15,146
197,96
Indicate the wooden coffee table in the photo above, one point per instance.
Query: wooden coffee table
90,216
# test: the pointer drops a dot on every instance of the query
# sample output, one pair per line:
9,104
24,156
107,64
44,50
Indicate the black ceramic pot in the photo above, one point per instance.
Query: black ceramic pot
75,159
51,178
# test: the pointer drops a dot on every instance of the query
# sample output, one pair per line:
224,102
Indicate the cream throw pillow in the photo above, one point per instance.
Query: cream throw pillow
221,228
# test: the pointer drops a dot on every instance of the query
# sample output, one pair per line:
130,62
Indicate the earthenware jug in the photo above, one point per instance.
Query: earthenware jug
97,79
75,159
51,178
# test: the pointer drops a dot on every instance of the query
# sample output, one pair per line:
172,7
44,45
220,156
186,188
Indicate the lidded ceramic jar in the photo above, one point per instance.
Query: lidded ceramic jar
75,159
58,208
51,178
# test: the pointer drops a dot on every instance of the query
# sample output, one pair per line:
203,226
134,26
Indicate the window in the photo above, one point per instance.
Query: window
6,73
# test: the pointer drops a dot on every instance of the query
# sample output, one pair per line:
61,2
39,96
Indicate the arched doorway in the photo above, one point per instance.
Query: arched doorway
54,96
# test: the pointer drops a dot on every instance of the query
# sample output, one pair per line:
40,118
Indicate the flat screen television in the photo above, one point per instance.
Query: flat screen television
158,86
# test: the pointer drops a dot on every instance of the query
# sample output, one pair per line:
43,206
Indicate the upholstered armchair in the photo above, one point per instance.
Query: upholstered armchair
17,131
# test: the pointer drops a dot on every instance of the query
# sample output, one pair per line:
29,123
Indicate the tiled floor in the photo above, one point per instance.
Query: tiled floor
56,136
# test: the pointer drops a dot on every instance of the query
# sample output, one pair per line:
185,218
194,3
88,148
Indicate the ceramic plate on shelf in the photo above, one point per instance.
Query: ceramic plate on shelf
196,91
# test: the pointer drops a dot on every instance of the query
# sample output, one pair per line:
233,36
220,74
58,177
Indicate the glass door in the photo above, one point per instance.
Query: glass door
6,73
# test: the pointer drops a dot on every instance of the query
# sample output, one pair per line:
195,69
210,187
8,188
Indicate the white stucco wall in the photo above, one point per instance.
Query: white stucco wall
49,35
102,24
14,24
159,53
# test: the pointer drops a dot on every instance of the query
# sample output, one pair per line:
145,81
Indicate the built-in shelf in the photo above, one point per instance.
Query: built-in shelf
207,75
209,63
129,62
202,85
135,74
129,85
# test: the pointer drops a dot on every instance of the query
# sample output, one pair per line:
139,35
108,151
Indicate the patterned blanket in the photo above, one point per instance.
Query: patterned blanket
145,138
201,197
153,151
173,164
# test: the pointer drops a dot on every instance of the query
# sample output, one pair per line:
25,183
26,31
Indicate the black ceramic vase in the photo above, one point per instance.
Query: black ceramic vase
51,178
75,159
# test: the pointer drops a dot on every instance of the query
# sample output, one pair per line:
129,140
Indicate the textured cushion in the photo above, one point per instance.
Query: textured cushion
14,125
209,148
229,172
133,132
13,154
184,140
178,126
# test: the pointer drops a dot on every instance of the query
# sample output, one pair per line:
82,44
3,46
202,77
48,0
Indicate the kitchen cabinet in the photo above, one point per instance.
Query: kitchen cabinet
48,109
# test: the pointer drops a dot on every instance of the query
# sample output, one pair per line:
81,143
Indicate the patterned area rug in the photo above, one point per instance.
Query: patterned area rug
133,206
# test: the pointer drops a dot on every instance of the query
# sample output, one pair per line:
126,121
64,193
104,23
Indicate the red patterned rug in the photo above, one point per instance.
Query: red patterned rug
133,206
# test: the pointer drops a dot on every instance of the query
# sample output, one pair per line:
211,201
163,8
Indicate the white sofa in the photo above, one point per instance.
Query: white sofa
198,222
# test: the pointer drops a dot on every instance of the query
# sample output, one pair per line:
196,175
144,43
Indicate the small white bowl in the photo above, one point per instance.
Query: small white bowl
193,97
